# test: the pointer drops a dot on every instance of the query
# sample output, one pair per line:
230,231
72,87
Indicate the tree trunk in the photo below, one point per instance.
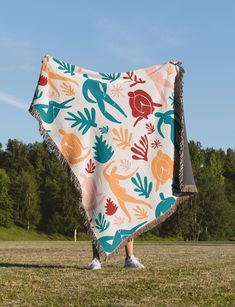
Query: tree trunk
75,235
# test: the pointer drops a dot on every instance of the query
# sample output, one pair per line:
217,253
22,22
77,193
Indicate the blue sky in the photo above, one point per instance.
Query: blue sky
116,36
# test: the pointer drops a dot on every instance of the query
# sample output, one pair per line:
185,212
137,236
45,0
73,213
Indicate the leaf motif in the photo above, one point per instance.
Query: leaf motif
121,138
85,122
150,127
174,102
118,220
135,81
142,187
67,89
68,69
110,77
90,167
103,151
104,129
110,207
125,164
141,151
141,213
37,94
102,224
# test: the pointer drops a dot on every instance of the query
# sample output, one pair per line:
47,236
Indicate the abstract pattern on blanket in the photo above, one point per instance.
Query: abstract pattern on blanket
123,139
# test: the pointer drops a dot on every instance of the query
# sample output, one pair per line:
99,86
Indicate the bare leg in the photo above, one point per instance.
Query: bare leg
129,247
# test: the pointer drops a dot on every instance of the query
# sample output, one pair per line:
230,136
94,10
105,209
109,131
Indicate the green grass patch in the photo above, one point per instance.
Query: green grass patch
16,233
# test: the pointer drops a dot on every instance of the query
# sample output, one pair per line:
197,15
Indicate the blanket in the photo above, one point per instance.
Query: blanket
122,138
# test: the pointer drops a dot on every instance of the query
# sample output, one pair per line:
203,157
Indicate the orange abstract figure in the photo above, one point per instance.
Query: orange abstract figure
72,147
162,168
120,192
51,75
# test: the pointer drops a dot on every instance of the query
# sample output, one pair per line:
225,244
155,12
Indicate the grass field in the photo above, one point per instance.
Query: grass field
47,273
15,233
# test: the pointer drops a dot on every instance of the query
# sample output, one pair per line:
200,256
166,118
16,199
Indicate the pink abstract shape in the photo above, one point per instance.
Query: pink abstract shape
118,220
90,196
159,81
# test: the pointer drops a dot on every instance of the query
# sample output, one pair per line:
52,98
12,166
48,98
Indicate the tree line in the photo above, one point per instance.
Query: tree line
36,193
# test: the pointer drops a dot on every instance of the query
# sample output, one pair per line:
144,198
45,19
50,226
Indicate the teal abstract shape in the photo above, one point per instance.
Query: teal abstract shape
85,121
66,67
103,152
143,188
99,91
52,109
110,77
168,120
102,224
104,129
164,205
37,94
174,102
119,236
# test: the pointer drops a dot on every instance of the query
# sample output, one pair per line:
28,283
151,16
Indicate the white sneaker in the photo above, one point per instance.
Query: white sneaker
95,264
133,262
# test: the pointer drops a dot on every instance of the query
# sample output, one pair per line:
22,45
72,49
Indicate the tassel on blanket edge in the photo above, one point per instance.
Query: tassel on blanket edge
179,92
185,188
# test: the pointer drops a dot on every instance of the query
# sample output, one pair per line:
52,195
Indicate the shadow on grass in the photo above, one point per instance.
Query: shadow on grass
39,266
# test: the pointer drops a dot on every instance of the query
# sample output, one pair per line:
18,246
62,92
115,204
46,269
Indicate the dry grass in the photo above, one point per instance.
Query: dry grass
55,274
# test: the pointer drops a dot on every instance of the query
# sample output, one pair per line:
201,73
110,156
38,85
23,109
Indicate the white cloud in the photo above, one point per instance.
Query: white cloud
13,101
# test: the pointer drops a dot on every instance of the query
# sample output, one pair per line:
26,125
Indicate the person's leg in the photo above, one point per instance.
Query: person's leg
129,247
95,263
95,252
131,261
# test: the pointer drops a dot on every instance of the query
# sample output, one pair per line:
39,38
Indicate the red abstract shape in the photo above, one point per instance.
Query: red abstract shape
141,104
42,80
110,207
142,150
156,143
90,167
150,128
130,75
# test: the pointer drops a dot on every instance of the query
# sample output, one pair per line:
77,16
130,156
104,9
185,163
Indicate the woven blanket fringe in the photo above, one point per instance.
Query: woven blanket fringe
179,84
